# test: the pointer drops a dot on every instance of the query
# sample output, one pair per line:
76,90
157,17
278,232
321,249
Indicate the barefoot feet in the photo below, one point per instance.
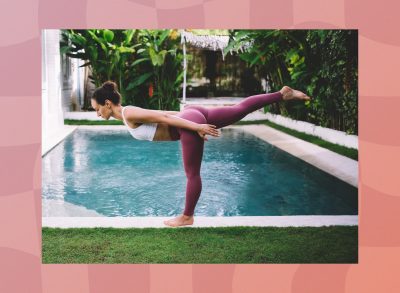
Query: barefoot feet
181,220
291,94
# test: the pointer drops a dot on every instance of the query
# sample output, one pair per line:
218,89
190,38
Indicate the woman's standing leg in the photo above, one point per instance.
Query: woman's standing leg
192,152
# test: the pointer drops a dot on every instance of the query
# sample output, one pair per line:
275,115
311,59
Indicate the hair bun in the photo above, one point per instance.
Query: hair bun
110,86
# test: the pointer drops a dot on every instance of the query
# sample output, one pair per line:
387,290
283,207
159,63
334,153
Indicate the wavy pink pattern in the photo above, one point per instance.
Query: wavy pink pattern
377,271
377,68
382,113
270,14
361,14
320,278
167,17
65,278
16,168
380,164
19,271
379,218
177,280
28,22
20,73
119,278
120,14
20,160
25,114
264,278
212,278
24,233
177,4
315,11
239,14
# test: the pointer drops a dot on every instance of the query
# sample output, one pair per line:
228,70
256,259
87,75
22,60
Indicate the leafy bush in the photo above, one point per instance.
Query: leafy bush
146,64
323,63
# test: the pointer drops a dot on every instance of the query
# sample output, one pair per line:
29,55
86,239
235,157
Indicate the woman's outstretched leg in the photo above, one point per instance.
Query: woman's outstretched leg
227,115
224,116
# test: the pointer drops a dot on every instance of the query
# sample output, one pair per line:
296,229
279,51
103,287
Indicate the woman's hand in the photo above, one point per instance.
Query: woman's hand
207,129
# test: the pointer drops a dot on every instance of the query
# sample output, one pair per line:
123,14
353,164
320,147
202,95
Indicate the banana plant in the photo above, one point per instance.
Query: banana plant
108,53
162,49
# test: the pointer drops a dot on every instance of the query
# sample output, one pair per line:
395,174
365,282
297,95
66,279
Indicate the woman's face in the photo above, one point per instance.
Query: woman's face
102,111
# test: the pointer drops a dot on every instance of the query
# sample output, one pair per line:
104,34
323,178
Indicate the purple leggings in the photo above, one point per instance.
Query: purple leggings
193,144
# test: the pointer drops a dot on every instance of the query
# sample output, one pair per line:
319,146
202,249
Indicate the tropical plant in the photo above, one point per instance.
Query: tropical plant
162,48
322,63
135,59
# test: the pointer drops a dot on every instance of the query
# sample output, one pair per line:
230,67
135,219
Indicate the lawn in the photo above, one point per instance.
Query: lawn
92,122
332,244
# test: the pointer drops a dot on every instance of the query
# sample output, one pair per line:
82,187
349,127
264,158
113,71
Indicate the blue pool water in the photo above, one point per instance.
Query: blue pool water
115,175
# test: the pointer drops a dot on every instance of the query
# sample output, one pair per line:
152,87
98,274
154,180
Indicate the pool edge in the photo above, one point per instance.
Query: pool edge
157,222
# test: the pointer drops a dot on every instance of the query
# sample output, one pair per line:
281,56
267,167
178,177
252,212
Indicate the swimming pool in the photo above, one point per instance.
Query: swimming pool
108,172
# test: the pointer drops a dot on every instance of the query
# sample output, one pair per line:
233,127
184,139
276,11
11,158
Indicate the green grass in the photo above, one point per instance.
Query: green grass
348,152
333,244
91,122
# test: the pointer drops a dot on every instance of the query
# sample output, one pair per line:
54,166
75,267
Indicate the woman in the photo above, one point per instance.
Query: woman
190,126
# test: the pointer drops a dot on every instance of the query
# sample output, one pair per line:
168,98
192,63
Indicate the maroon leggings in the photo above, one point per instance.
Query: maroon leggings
193,144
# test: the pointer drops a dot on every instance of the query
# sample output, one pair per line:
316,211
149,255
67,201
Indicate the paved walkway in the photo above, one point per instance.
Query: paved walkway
51,141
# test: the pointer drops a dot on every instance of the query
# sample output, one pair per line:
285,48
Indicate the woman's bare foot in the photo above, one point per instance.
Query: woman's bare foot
181,220
291,94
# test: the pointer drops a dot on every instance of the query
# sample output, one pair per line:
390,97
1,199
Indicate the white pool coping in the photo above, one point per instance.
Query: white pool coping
157,222
51,141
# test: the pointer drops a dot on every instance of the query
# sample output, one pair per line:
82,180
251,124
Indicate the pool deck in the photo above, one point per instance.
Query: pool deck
52,141
157,222
335,164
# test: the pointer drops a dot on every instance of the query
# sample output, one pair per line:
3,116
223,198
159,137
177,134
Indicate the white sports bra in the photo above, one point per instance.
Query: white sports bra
146,131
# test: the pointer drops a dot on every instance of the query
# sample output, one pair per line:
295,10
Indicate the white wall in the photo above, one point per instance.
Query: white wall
52,114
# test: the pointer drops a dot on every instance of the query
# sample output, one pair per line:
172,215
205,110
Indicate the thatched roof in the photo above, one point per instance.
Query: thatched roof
209,39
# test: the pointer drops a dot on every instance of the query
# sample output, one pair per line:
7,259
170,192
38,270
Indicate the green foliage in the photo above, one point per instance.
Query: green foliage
323,63
135,59
166,67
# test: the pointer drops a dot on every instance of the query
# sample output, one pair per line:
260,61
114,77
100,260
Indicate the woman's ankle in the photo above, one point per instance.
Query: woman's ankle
286,92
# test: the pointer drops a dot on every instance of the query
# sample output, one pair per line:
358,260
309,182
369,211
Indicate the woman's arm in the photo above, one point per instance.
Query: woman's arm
140,115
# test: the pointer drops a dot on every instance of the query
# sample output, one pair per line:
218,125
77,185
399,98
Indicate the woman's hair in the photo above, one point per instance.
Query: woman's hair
109,91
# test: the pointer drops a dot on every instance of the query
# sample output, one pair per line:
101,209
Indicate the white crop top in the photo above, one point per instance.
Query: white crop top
146,131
